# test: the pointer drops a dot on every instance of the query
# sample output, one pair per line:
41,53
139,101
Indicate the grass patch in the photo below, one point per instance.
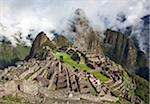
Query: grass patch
100,76
67,59
125,78
12,100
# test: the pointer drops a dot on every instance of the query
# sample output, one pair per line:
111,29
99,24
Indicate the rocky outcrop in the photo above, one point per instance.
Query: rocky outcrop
121,48
86,38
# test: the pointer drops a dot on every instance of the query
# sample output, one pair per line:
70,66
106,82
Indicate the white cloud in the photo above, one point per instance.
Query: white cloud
22,15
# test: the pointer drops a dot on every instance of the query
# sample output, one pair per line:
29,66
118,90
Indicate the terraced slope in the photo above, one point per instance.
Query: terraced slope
52,79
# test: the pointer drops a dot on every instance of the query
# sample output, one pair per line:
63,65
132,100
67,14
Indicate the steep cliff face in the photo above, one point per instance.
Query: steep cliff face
122,49
86,38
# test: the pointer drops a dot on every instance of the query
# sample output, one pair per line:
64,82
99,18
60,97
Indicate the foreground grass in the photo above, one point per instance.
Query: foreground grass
12,100
67,59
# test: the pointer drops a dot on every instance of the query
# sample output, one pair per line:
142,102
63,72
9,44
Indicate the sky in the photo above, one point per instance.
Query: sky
46,15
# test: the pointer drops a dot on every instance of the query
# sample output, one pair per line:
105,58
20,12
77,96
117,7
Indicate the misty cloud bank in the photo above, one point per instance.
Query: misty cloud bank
32,16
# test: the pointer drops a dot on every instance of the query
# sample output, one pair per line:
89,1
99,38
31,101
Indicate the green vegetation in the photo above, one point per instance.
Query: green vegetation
100,76
12,100
125,78
142,88
142,85
67,59
9,55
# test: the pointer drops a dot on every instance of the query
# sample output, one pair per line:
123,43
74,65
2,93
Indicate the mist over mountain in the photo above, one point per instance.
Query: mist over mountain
141,34
74,51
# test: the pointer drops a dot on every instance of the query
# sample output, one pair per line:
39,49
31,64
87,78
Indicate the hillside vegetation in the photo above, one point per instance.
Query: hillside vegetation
9,55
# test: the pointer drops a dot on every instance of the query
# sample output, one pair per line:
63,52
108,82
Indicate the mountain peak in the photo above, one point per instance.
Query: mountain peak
38,45
86,38
42,33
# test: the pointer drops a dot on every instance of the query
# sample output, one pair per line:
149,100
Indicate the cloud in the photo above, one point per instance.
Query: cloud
24,15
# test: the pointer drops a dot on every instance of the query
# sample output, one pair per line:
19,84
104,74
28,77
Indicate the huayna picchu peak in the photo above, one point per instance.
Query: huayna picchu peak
39,45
